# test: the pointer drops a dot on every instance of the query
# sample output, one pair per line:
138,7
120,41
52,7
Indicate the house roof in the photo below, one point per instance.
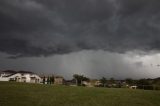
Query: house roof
9,75
14,72
58,77
25,72
9,71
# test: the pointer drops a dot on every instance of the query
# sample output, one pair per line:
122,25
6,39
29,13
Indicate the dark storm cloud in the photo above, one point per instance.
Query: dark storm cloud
42,28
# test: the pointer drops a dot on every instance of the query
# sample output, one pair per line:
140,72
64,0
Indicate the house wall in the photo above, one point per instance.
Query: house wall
18,76
28,79
4,79
33,80
58,80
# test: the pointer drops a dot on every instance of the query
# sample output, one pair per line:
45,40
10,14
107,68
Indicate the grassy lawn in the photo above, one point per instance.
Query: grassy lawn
20,94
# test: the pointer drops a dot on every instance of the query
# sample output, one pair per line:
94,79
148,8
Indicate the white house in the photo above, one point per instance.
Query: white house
20,76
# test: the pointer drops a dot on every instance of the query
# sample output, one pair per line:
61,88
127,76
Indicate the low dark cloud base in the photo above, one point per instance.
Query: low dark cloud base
43,28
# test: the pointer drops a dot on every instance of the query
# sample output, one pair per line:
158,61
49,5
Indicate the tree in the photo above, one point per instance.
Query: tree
129,81
103,81
143,82
80,78
112,81
44,79
48,80
52,80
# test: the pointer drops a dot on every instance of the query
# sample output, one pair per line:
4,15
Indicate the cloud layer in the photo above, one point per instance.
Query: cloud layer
43,28
93,64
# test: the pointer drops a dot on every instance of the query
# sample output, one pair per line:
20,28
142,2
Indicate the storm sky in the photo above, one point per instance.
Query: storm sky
110,38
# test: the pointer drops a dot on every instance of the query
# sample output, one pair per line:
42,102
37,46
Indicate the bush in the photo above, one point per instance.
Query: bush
157,87
146,87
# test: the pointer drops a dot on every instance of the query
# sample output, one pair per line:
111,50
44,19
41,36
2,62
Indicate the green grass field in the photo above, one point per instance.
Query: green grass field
20,94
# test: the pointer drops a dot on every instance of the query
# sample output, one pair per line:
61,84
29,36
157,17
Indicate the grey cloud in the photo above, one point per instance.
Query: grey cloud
43,28
139,64
94,64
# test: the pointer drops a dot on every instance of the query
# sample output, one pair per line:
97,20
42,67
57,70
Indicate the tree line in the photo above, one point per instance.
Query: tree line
147,84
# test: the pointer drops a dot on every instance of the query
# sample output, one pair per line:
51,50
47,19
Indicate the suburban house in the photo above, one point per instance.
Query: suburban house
70,82
86,83
97,83
19,76
92,83
58,80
